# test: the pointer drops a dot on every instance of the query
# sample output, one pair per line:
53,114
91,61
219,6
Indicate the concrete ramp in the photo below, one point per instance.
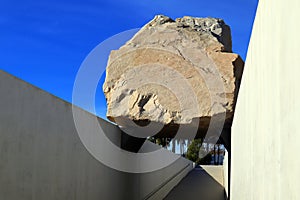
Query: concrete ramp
203,182
43,158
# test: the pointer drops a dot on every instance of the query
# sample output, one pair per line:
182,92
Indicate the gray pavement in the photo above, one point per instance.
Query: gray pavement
198,184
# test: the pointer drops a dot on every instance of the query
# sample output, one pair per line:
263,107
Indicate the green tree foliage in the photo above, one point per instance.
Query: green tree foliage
193,150
198,154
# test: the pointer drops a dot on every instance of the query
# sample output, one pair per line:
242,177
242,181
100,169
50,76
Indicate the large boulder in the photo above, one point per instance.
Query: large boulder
173,73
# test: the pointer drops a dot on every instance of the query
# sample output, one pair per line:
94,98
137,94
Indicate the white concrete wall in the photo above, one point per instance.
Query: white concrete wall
266,127
42,157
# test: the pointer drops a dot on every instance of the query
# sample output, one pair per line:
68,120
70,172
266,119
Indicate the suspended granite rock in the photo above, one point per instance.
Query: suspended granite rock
175,73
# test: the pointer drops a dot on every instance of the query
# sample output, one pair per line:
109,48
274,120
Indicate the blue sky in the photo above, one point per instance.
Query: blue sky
44,42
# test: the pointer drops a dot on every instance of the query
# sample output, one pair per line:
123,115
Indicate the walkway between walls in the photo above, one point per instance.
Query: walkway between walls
201,183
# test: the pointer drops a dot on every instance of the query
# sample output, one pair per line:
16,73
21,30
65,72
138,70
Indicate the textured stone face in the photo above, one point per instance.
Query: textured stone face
174,73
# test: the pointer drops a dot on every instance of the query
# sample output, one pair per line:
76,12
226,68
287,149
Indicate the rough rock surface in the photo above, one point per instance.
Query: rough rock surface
174,72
